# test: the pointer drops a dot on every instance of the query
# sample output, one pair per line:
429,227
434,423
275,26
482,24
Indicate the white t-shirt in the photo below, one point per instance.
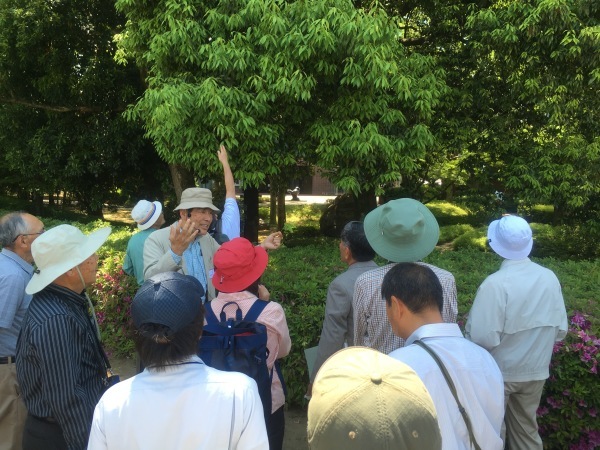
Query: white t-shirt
188,406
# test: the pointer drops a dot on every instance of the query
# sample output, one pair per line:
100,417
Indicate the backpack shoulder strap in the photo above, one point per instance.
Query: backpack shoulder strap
209,315
255,310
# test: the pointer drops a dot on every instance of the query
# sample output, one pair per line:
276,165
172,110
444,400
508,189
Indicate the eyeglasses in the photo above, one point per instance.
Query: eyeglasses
29,234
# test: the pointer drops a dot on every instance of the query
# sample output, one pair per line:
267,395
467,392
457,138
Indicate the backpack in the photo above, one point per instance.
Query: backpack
239,345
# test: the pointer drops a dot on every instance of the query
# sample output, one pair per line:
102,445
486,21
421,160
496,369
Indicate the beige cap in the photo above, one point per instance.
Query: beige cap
363,399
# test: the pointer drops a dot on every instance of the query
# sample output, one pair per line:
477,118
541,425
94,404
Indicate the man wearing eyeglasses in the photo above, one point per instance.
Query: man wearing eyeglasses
18,230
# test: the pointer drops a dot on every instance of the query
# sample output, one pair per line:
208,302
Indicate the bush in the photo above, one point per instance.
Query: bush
570,406
449,233
112,294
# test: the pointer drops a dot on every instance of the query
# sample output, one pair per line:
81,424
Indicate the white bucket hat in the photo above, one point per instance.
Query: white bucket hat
146,213
510,237
59,250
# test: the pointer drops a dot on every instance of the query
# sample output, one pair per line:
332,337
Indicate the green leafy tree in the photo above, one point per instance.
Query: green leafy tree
321,82
535,96
61,101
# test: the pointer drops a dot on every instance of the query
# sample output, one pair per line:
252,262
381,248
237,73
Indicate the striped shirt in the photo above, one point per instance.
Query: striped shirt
60,366
371,326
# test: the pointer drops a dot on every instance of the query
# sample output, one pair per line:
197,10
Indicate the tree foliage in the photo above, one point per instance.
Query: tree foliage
535,95
319,81
61,101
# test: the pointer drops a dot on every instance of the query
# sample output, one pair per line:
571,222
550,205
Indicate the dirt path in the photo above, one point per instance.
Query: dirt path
295,418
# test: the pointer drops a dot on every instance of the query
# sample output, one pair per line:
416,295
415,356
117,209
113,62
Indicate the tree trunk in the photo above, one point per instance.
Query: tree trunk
273,208
281,217
182,178
251,208
37,203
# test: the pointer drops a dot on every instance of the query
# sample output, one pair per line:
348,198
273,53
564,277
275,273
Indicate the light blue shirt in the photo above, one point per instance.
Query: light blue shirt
195,264
230,219
134,257
476,376
15,273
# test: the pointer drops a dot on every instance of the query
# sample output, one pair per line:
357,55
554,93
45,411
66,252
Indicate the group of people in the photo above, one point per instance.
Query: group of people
408,379
485,387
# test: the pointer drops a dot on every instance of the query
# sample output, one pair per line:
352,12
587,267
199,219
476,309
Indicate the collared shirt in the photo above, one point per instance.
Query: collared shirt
477,379
517,315
15,273
134,257
279,342
60,366
187,406
371,326
338,325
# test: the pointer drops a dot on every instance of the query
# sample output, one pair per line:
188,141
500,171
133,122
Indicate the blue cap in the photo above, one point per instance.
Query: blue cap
170,299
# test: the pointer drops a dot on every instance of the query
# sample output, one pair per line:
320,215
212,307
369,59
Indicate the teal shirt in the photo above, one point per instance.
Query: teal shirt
134,258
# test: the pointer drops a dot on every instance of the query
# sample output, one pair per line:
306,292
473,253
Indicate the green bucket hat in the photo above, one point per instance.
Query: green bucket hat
402,230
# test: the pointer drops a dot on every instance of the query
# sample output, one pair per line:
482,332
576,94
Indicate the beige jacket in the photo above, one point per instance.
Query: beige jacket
158,259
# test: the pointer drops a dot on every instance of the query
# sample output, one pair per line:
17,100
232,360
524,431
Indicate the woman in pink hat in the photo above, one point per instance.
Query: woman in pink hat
238,268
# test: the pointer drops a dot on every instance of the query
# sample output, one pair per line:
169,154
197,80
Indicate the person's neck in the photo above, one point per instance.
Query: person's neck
427,317
21,254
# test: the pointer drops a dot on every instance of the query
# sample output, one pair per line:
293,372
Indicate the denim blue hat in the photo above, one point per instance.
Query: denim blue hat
170,299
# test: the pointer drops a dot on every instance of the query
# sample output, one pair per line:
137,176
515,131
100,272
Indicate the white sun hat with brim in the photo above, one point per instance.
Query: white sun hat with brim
510,237
146,213
60,249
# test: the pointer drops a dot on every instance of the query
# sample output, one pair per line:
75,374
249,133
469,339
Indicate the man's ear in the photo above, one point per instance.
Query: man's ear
399,305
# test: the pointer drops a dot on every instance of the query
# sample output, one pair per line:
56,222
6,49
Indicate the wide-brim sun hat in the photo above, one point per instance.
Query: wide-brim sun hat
170,299
146,213
238,264
363,399
402,230
510,237
60,249
196,198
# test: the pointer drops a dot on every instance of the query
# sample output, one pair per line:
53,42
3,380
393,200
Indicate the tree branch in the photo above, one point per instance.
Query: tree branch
60,109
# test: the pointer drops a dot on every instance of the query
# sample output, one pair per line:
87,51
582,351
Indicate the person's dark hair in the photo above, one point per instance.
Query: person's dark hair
415,284
158,348
253,288
353,236
11,226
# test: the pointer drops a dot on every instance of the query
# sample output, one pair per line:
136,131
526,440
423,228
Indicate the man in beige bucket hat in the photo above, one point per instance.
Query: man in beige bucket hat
61,367
186,246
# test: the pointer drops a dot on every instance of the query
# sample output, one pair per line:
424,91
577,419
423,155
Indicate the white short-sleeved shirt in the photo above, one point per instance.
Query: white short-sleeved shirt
189,406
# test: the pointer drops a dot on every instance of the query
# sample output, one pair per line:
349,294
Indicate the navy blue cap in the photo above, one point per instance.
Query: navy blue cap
170,299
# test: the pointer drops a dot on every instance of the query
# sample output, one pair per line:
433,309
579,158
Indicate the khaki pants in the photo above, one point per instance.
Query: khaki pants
521,401
12,409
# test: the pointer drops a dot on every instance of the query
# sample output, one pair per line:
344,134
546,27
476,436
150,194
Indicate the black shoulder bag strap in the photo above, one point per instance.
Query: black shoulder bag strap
450,383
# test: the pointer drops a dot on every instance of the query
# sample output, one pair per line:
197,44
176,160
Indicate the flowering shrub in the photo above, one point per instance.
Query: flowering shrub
112,295
569,411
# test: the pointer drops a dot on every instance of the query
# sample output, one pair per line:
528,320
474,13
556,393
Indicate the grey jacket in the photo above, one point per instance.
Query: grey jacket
338,326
